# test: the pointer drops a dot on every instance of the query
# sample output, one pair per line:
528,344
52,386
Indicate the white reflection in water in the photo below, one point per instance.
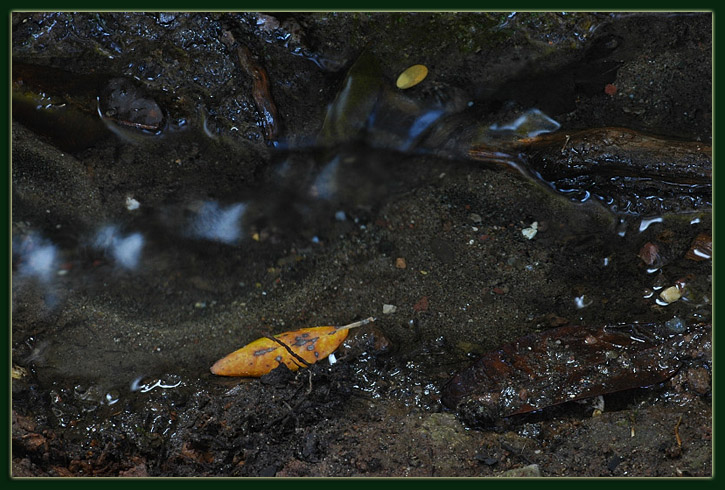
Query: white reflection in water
219,224
125,250
582,301
646,222
422,123
325,185
530,124
37,257
144,386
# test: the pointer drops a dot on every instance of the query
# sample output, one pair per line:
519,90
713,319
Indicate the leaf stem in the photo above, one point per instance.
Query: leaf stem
359,323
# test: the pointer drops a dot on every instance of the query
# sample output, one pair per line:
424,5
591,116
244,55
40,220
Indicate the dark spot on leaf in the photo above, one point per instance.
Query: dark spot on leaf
262,352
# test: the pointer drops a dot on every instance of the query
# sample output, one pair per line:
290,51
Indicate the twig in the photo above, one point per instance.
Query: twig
568,137
357,324
677,432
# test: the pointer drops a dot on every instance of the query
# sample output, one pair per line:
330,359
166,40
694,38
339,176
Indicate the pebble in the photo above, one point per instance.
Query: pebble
400,263
132,204
531,231
675,325
389,309
671,294
649,253
531,470
476,218
699,380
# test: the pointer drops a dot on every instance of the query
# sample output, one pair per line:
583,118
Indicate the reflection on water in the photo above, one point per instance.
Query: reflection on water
213,222
36,257
646,222
325,185
530,124
124,249
145,384
36,266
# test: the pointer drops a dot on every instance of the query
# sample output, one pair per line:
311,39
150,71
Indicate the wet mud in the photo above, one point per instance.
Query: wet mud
186,183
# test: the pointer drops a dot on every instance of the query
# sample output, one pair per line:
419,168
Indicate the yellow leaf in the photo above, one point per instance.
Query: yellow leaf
261,356
412,76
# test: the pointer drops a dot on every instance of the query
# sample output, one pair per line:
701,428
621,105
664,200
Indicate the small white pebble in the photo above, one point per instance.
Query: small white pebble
332,359
389,309
531,231
582,301
132,204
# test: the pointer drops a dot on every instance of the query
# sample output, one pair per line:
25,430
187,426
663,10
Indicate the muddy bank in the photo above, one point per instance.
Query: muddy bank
189,218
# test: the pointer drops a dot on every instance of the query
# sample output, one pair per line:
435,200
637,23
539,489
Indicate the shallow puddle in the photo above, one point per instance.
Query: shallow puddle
462,219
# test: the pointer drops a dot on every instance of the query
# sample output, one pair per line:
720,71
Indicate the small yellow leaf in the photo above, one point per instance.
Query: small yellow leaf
18,372
261,356
412,76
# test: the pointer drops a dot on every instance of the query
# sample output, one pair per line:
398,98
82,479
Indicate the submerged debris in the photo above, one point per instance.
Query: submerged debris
127,104
650,254
263,101
628,171
65,106
701,248
565,364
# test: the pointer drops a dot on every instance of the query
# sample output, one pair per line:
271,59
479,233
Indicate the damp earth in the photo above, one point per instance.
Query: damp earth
185,183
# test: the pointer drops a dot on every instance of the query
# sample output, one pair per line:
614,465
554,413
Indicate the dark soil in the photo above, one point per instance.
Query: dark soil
111,349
